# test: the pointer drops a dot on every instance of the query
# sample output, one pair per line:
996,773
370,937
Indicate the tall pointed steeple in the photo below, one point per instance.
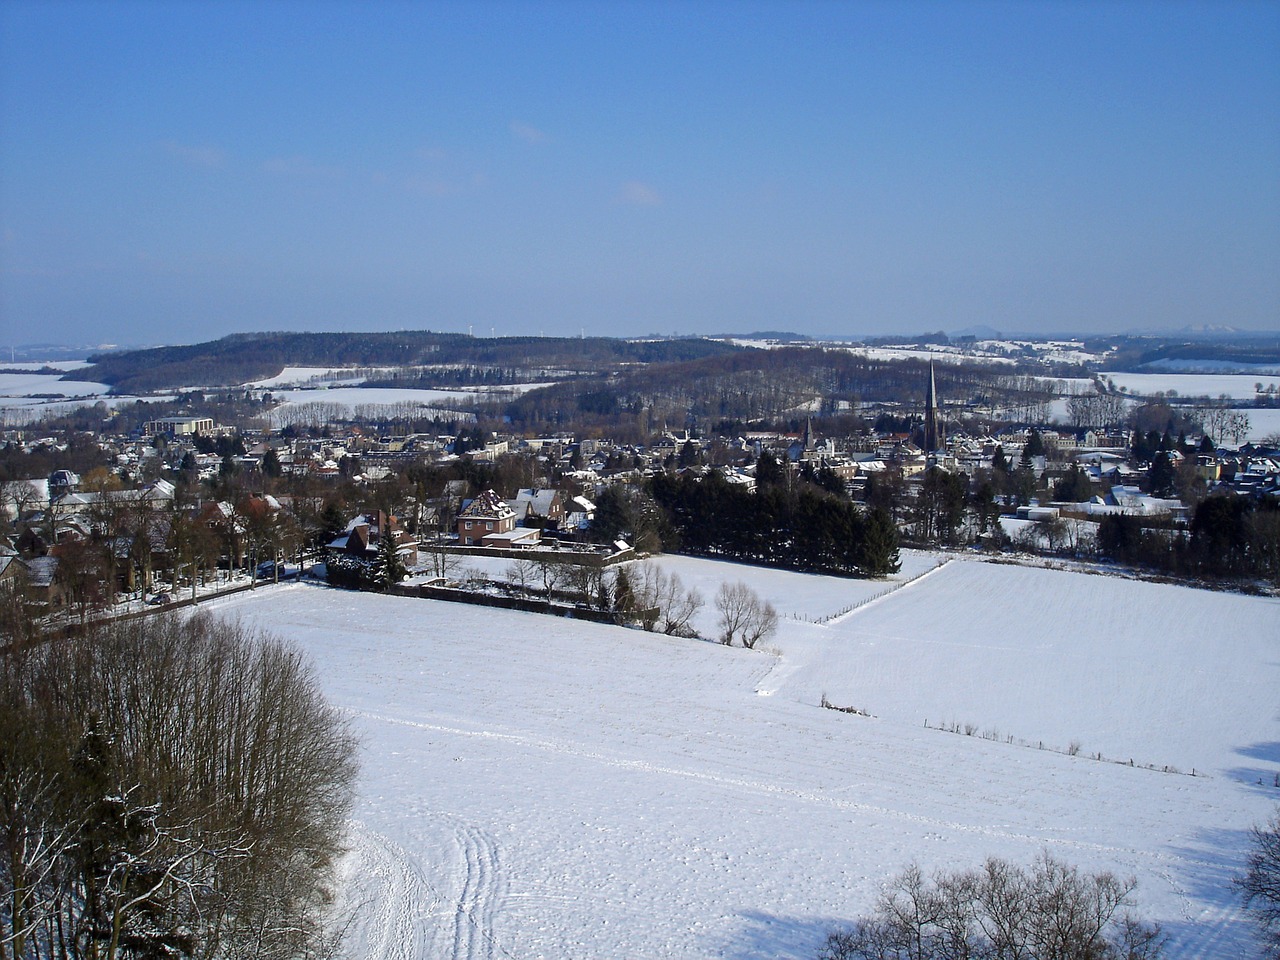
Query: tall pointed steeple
932,435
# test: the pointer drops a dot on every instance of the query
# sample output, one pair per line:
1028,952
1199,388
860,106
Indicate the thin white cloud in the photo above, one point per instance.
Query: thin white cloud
430,154
202,156
636,193
522,131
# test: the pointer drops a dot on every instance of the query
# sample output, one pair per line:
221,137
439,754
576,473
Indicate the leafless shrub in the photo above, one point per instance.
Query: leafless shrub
1049,910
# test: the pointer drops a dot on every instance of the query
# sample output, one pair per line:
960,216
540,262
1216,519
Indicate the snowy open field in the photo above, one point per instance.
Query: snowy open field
1235,386
534,787
20,387
25,397
355,397
1263,422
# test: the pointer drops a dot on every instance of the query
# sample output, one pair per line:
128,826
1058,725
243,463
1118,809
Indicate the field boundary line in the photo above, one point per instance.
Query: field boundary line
888,591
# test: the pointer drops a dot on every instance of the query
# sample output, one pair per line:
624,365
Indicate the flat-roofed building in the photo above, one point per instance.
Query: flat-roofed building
178,426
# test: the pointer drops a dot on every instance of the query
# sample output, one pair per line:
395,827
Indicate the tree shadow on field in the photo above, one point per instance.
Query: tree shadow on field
765,935
1264,776
1212,862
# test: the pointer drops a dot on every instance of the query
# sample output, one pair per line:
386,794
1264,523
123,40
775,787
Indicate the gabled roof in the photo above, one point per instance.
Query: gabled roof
541,502
488,506
521,508
41,570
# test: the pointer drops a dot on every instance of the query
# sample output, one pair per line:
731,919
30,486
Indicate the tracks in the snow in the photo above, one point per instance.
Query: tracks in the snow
417,911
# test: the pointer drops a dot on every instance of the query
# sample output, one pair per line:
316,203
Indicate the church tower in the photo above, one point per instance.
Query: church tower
933,438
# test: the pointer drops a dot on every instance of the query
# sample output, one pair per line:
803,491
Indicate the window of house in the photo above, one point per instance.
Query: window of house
489,525
468,524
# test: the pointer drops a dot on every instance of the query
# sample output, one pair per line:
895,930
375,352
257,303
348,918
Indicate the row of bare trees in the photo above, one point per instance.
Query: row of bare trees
648,595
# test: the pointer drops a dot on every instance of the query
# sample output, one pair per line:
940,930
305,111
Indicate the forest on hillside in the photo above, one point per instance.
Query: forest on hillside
241,358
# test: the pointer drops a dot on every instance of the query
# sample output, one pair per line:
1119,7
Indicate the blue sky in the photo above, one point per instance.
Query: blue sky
176,171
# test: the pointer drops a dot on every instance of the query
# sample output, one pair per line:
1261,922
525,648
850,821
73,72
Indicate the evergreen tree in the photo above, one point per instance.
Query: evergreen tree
984,503
1161,475
1221,534
769,472
1074,487
624,598
878,555
1034,446
688,454
271,465
1024,484
332,522
390,568
998,462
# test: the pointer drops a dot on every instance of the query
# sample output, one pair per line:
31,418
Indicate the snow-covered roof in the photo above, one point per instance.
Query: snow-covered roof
41,571
488,504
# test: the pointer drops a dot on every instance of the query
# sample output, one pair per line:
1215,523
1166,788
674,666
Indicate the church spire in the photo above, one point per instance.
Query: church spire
932,435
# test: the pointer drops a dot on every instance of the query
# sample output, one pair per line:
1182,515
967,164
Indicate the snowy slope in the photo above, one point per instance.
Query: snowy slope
537,787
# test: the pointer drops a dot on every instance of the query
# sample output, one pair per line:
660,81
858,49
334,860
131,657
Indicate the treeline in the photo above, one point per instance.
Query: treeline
450,376
1229,537
760,385
241,358
805,528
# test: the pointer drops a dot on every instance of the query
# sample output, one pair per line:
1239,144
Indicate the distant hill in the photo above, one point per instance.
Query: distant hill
243,358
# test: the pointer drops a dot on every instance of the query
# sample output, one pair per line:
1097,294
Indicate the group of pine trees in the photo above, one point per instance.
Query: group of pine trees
800,527
1228,536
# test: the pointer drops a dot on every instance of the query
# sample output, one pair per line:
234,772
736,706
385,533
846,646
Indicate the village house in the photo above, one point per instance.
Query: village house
538,508
362,538
487,517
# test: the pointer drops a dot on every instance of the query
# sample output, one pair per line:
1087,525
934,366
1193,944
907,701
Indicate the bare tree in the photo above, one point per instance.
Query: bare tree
732,603
523,573
1260,884
761,625
743,615
551,573
18,498
586,581
663,602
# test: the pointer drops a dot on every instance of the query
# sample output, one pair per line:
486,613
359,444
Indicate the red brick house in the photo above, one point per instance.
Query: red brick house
485,515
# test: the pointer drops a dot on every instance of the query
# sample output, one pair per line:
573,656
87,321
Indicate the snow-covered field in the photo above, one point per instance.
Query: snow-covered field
301,376
1264,422
33,365
25,397
1235,386
18,387
535,787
